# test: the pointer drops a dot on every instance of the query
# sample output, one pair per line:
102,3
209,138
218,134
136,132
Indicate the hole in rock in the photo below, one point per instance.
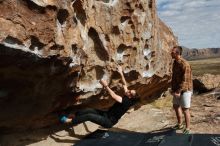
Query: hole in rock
80,12
135,39
12,40
107,38
132,75
99,72
74,48
57,47
35,43
150,5
98,45
105,1
115,30
62,15
124,18
33,6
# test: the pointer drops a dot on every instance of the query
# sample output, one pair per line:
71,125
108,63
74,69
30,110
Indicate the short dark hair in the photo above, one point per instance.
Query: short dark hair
179,49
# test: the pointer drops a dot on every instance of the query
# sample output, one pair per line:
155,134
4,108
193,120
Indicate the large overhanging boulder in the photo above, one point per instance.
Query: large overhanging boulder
53,54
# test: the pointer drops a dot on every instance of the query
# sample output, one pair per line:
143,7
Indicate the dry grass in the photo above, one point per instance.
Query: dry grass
163,102
204,66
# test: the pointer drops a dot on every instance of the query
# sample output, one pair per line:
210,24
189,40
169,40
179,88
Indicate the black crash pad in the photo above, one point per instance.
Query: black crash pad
162,138
206,140
191,140
110,138
177,140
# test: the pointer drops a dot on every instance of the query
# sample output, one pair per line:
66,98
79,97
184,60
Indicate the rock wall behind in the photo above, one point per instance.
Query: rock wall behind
54,52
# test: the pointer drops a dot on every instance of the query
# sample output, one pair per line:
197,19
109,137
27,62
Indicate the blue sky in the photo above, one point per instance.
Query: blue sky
196,23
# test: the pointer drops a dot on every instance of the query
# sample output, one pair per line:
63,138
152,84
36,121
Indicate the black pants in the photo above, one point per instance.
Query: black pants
93,115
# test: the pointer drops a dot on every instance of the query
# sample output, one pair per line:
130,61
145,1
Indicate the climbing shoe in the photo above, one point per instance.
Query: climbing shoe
63,118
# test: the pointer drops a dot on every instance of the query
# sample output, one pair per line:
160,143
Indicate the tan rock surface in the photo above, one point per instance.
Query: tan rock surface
52,54
209,81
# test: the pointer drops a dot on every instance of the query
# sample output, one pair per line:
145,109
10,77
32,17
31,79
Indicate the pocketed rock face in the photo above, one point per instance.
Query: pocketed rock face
52,54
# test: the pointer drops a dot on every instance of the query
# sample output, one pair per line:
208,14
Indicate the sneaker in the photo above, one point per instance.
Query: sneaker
178,127
186,131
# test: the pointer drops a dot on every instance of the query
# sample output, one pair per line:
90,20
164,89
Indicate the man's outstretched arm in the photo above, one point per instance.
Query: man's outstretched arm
120,71
112,93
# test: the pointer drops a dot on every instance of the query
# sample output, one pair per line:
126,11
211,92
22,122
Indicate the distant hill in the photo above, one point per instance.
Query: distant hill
193,54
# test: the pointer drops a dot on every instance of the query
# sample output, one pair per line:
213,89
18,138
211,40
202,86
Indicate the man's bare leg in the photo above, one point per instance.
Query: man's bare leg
187,117
178,112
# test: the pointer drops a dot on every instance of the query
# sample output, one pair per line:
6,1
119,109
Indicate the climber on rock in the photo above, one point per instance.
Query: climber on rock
108,118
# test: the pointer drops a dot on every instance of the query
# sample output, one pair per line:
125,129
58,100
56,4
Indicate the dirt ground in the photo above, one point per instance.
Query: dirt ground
205,118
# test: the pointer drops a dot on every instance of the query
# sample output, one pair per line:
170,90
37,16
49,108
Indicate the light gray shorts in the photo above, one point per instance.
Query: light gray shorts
184,100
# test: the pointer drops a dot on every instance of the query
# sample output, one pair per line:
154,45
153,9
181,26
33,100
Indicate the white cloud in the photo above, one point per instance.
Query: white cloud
196,23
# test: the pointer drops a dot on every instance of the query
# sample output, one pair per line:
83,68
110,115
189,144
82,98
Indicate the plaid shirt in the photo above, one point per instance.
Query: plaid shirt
182,76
